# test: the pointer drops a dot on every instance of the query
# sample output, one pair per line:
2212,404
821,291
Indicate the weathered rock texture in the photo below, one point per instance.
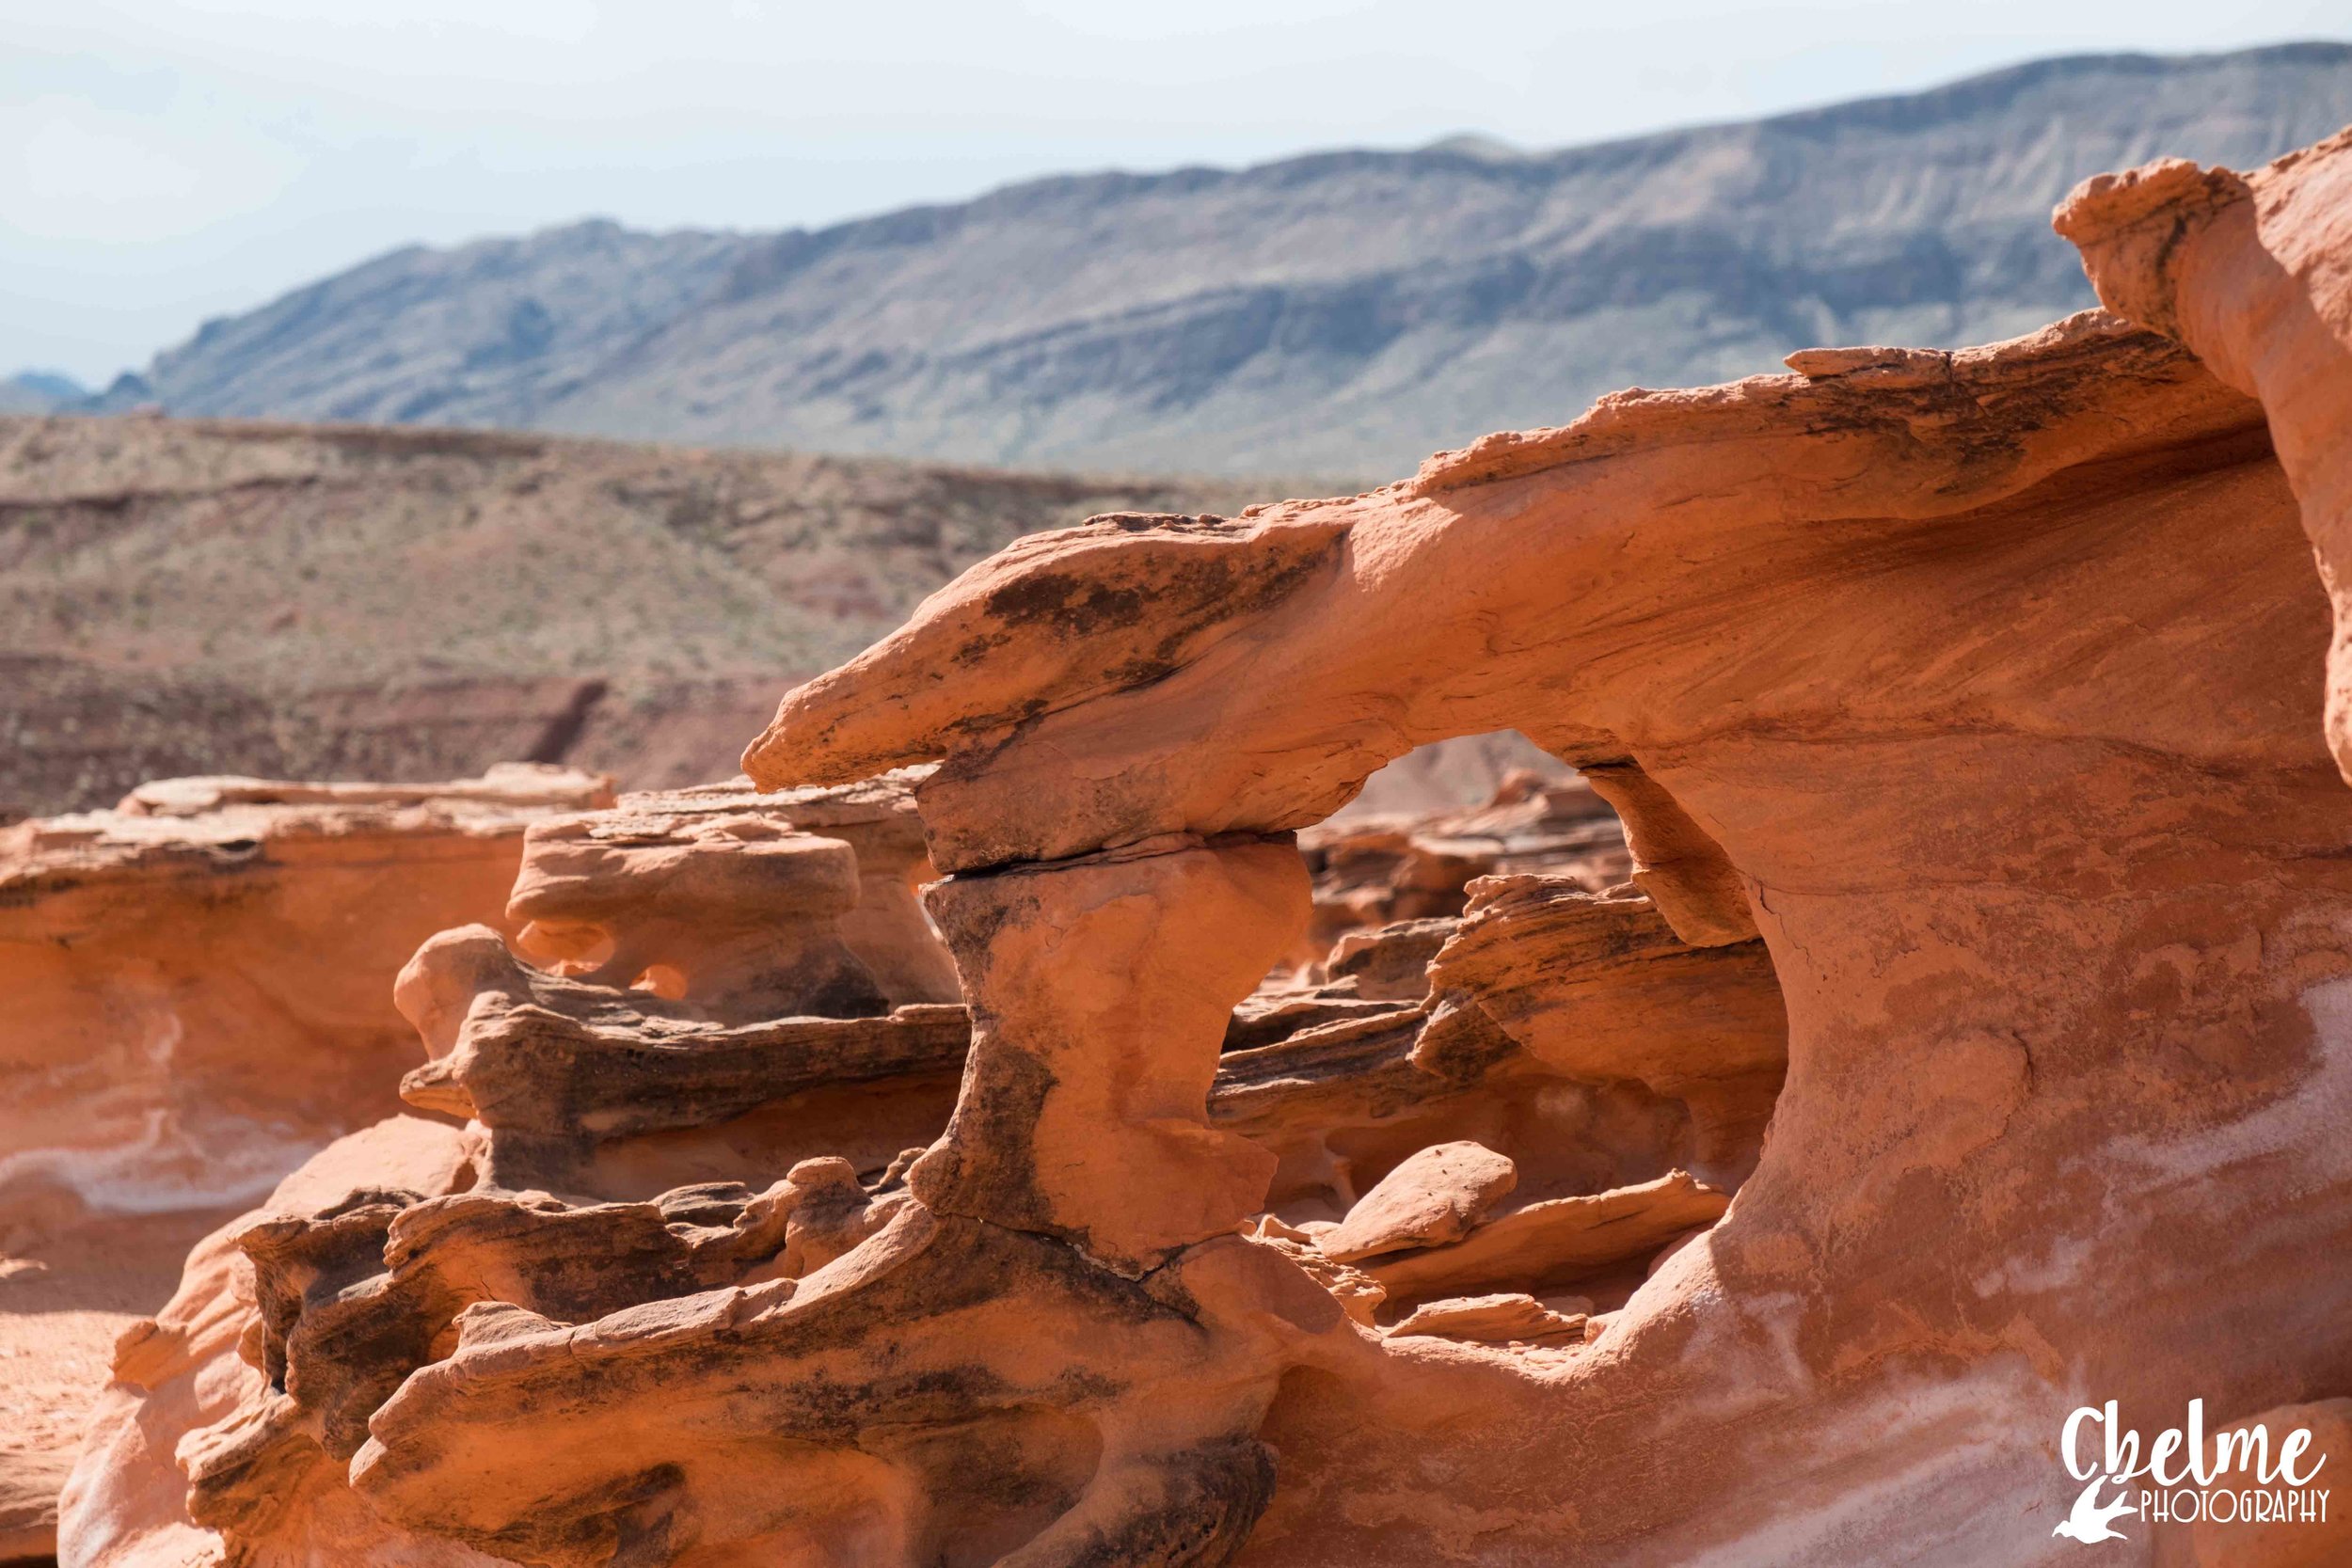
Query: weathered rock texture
725,986
719,988
1964,714
1982,685
1388,869
198,998
2254,274
1434,1197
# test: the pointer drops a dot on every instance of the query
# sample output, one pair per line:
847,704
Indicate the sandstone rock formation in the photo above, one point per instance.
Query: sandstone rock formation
1980,685
1507,1319
2251,274
724,986
1967,1045
1434,1197
1382,869
198,999
694,945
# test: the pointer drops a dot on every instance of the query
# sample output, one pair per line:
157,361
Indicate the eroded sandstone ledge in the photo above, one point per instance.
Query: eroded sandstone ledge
196,998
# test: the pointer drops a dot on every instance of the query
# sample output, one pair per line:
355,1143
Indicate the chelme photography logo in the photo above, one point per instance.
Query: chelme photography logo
2239,1475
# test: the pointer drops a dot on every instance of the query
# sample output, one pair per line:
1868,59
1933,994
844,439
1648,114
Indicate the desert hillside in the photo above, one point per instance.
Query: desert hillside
345,602
1346,312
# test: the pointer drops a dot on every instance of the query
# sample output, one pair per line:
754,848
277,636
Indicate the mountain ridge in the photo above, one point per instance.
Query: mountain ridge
1340,311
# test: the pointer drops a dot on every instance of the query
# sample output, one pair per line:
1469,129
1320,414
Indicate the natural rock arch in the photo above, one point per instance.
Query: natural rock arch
1982,685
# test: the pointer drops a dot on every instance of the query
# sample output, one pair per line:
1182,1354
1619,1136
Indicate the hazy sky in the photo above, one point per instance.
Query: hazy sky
167,162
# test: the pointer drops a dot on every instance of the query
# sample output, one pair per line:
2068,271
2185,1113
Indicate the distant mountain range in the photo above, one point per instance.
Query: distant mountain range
1343,313
40,392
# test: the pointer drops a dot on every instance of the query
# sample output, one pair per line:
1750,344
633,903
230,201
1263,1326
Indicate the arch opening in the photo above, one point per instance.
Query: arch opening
1551,1037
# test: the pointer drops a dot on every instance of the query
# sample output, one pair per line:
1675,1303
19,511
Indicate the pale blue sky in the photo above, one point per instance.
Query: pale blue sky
167,162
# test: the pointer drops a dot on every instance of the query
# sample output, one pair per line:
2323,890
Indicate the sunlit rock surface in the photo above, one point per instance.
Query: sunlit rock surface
1944,1025
198,998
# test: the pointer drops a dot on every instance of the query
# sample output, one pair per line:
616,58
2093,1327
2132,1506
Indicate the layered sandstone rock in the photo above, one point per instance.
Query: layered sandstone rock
1980,686
1373,871
199,998
1962,712
1542,1028
1601,989
1434,1197
712,982
1509,1319
674,1039
198,979
2253,274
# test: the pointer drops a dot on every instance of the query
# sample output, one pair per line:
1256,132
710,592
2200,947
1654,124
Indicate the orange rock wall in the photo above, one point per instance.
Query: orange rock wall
199,999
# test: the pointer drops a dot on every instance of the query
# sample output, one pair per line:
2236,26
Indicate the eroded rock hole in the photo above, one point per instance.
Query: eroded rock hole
1526,1051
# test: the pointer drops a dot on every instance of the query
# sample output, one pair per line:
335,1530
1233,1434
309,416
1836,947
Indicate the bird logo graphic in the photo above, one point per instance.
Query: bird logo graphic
2089,1521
